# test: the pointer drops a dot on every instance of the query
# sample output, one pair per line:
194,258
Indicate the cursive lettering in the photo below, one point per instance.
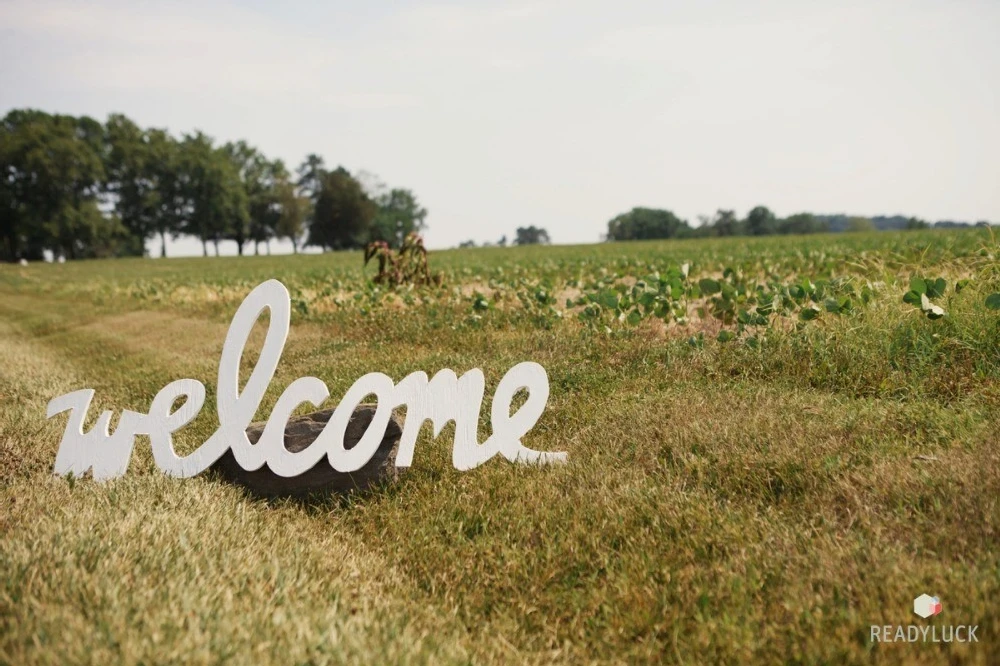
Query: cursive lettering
443,398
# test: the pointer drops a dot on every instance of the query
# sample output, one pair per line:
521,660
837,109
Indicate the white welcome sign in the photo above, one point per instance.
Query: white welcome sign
445,397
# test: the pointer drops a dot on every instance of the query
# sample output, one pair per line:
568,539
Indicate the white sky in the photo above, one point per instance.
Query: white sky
555,113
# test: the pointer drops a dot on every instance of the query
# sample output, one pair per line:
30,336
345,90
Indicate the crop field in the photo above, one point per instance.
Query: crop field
774,444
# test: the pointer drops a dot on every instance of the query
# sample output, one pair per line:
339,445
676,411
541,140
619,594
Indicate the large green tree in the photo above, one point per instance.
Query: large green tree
398,214
248,162
127,176
531,236
725,223
343,213
261,178
294,209
646,223
15,210
216,201
143,179
54,174
310,174
761,222
266,209
165,168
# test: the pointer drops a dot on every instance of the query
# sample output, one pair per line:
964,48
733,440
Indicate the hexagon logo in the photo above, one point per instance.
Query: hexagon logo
925,605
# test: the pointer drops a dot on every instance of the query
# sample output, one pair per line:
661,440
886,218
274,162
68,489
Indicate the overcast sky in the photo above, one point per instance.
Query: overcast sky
559,114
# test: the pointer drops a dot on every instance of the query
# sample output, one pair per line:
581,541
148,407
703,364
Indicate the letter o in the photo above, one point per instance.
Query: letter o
332,437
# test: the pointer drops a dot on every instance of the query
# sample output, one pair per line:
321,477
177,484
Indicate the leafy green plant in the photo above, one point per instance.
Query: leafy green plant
921,292
480,303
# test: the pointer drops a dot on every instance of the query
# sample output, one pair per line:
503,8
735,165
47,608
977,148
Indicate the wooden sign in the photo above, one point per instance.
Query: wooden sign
442,398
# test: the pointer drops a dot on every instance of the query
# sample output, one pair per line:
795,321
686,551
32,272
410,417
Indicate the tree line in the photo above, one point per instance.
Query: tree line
523,236
78,188
651,223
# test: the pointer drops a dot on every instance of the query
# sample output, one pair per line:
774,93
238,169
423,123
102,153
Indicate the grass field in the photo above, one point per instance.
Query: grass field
769,452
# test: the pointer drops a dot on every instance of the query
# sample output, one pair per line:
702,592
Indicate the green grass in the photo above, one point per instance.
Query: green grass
761,500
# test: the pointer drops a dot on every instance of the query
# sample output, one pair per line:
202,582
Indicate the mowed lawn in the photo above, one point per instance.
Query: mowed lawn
765,499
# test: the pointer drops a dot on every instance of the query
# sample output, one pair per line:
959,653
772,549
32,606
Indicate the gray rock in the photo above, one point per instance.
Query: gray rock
322,479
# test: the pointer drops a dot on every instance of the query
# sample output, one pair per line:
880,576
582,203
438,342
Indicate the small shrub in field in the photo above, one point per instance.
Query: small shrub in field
407,266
